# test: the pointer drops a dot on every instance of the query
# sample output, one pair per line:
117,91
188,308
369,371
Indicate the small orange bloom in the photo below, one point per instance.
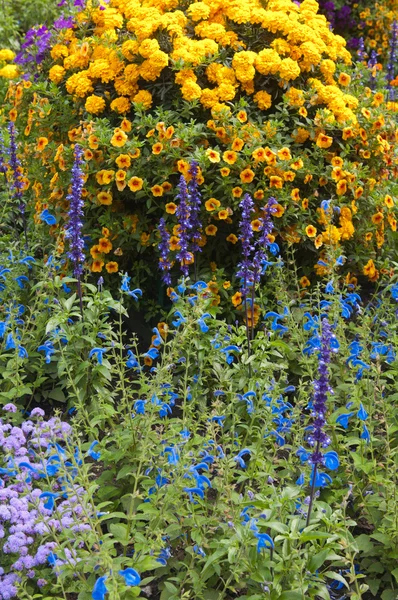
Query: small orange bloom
377,218
157,190
304,282
276,182
157,148
344,79
284,154
112,267
223,214
341,187
242,116
213,155
135,184
247,176
232,238
126,125
104,198
123,161
171,208
230,157
105,245
237,299
278,210
211,230
388,201
237,144
212,204
237,192
310,230
119,138
166,185
256,225
41,143
324,141
96,266
225,172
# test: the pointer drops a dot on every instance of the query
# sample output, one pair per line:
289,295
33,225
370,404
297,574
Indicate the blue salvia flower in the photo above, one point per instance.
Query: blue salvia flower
130,576
164,249
184,256
47,217
100,589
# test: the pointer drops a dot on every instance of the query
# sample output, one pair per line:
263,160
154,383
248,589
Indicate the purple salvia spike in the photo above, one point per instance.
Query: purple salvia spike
392,61
164,249
195,200
183,215
246,237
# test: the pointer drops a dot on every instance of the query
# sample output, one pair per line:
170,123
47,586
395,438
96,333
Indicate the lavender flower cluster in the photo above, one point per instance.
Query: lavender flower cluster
34,454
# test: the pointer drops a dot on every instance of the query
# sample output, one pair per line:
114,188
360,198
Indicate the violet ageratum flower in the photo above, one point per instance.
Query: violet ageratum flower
183,213
164,249
73,231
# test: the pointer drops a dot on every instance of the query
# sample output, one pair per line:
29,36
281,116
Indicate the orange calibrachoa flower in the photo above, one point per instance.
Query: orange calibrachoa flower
344,79
119,138
135,184
157,148
310,230
213,155
388,201
278,210
157,190
377,218
212,204
324,141
96,266
41,143
223,214
104,198
104,245
123,161
171,208
225,172
237,299
341,187
232,238
237,192
237,144
95,252
304,282
284,154
230,157
276,182
247,176
370,270
112,267
211,230
256,225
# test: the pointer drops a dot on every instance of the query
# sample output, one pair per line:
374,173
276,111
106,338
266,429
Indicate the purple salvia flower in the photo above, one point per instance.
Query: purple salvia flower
361,50
183,213
392,60
3,166
260,256
195,200
64,23
318,437
36,43
164,249
246,237
73,231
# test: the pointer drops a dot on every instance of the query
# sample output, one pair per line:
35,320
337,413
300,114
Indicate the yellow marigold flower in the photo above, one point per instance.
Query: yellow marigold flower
247,176
263,100
211,230
104,198
157,190
112,267
97,265
56,73
171,208
310,230
289,69
324,141
120,105
119,138
237,144
7,55
191,91
232,238
9,71
135,184
143,97
95,104
304,282
230,157
213,155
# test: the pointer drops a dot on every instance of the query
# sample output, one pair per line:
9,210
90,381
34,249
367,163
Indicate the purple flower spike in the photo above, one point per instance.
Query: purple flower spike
392,61
195,200
246,237
184,213
164,249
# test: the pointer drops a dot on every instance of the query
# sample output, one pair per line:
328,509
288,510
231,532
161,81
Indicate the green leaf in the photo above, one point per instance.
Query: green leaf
119,532
374,585
317,560
395,573
364,543
389,595
57,394
337,577
291,596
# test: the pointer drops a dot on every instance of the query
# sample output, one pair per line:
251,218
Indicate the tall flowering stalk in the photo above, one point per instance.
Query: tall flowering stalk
195,201
372,65
392,60
318,438
164,249
73,231
3,166
245,266
16,183
184,256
